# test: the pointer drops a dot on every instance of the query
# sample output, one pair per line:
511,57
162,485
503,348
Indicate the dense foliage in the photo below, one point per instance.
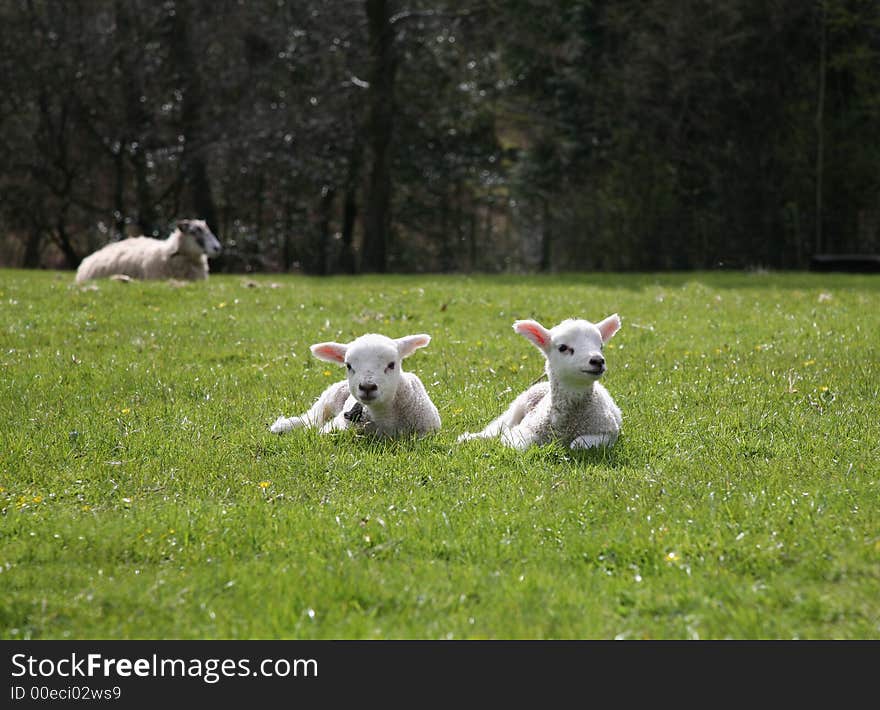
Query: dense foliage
373,135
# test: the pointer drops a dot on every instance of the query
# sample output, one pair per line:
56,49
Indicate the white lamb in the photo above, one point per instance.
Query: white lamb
378,397
183,255
572,408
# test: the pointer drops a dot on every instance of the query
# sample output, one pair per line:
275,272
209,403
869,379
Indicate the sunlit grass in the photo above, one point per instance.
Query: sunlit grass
142,495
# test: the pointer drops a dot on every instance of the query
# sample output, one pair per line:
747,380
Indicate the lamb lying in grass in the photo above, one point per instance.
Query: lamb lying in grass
183,255
378,397
572,408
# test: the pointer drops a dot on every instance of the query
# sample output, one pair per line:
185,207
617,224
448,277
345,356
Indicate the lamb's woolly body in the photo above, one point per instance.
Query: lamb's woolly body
409,411
148,258
554,414
578,414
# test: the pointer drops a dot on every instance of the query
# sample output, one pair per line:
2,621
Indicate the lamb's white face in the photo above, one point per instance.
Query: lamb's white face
573,348
198,238
575,353
373,364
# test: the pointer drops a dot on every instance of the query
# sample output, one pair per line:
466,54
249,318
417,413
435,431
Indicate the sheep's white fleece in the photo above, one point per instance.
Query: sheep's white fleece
543,414
571,409
178,257
401,406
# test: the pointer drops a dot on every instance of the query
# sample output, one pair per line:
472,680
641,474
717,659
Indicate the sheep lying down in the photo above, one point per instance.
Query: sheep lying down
378,397
183,255
571,407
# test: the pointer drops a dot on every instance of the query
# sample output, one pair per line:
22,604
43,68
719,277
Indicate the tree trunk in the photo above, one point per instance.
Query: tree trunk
377,219
31,259
458,228
147,218
138,120
259,198
546,236
119,192
347,260
472,237
820,125
446,237
200,184
287,253
193,161
347,263
322,259
62,239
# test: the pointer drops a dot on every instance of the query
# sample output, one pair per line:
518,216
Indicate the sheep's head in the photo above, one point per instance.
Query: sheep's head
373,363
196,238
573,348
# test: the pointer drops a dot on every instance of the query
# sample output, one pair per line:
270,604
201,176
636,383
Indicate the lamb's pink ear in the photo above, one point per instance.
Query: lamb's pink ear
535,332
408,344
609,327
330,352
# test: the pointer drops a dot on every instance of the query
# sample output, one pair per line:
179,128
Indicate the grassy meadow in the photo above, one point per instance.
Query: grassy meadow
143,497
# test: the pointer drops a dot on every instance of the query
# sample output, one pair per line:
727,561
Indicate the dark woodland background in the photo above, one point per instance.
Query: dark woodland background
343,136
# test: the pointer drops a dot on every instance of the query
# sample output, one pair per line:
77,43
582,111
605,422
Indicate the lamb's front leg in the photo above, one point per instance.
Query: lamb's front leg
492,429
282,425
511,417
349,415
338,423
327,406
519,437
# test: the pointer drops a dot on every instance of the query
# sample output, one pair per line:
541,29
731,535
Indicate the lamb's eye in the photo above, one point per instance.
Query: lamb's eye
564,349
350,368
390,366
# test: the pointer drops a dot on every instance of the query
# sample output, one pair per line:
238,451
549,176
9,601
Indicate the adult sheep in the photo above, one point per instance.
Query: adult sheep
183,255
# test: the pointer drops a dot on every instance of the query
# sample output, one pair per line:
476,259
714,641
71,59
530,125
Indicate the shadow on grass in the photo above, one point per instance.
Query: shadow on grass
442,453
351,439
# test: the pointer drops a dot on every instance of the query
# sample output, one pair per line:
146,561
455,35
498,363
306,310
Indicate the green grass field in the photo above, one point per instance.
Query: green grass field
142,495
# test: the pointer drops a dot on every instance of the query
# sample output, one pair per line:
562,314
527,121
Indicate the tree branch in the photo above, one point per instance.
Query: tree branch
405,15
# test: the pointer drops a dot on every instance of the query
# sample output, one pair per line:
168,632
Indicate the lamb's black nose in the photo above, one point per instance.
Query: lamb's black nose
367,387
597,361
